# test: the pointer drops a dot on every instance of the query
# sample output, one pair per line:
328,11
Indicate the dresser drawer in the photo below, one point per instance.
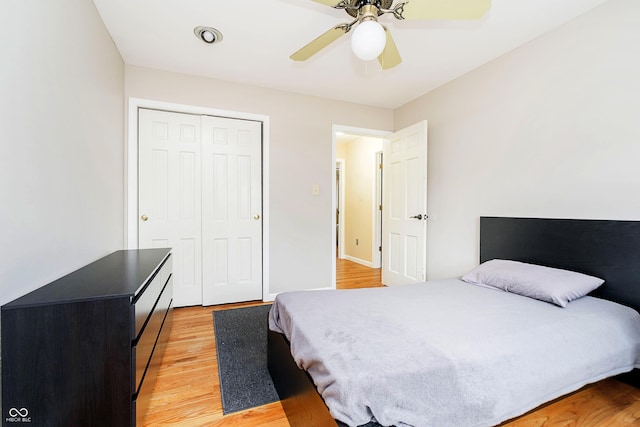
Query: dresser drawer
147,340
146,299
143,398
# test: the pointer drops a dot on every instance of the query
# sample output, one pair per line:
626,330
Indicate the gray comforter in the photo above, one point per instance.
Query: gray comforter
447,353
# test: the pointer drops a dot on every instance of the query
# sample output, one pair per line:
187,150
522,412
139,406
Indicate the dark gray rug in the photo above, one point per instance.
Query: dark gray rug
241,345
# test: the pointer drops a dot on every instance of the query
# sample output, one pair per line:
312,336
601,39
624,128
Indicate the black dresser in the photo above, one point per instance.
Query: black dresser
84,350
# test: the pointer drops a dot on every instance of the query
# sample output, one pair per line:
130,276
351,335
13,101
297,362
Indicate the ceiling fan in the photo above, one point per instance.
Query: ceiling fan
371,39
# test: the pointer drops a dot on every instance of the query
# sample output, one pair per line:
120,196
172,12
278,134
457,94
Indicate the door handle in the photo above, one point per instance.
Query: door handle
144,217
419,216
256,217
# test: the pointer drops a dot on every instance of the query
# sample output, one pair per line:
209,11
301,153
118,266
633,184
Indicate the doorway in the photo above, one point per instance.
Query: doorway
357,193
404,212
376,237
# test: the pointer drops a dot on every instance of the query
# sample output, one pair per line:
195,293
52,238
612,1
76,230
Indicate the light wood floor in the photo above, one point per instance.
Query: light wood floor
187,391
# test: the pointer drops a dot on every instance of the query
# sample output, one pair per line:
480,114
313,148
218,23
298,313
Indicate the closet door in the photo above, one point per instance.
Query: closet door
231,210
169,195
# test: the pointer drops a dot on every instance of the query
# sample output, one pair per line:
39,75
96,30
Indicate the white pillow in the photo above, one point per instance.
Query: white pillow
543,283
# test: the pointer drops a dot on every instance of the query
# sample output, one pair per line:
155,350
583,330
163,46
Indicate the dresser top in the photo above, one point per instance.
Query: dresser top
120,274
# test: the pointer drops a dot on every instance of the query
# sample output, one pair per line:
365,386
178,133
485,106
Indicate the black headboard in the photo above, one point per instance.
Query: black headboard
606,249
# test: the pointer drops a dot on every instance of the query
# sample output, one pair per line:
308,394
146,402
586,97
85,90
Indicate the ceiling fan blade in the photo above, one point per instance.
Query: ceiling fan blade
331,3
319,43
445,9
390,57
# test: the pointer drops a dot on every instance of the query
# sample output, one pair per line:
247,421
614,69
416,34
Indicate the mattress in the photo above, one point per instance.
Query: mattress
448,353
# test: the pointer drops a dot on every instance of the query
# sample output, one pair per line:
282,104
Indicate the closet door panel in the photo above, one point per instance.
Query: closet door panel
169,195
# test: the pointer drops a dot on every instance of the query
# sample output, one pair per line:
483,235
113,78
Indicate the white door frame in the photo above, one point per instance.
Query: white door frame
376,255
131,174
350,130
340,220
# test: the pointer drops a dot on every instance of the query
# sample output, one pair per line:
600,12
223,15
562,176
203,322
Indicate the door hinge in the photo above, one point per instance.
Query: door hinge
380,248
379,207
380,165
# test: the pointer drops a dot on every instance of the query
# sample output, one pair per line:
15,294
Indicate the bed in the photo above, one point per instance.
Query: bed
451,353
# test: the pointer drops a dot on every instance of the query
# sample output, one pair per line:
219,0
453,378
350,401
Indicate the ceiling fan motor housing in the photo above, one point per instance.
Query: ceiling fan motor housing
355,6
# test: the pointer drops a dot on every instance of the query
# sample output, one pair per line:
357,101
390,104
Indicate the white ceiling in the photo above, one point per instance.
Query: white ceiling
260,35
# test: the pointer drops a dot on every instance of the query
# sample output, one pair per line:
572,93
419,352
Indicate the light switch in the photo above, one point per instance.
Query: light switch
315,190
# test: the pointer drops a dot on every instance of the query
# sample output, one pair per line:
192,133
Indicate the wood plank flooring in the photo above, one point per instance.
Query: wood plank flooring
350,275
187,390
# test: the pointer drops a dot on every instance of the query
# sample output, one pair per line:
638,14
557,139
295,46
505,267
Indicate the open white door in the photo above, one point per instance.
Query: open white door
231,210
404,206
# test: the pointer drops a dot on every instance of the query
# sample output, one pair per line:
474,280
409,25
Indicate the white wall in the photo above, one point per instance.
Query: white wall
301,232
61,150
551,129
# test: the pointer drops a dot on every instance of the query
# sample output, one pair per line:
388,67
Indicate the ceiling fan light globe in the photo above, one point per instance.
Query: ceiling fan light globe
368,40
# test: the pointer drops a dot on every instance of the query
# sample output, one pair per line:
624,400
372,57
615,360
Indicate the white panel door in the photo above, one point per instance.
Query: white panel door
404,206
169,195
231,210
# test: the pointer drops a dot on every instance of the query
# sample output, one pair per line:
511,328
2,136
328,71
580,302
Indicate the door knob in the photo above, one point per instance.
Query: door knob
419,216
256,217
144,217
